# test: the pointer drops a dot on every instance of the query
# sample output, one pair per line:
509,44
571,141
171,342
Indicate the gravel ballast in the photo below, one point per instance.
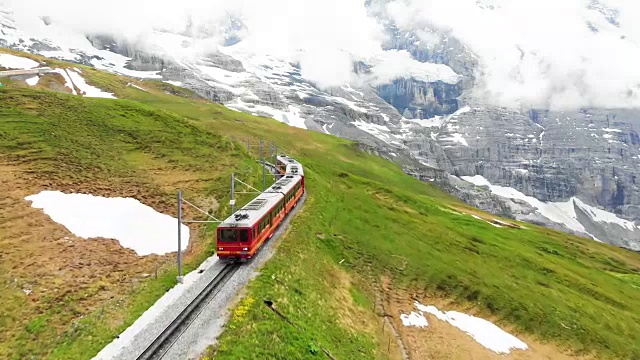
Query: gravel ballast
205,329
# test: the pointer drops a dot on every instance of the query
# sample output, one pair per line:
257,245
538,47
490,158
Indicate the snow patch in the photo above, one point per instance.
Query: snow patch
136,86
33,81
461,111
174,83
291,117
436,121
224,76
379,131
350,104
455,137
62,55
86,89
484,332
135,225
16,62
67,80
414,319
603,216
559,212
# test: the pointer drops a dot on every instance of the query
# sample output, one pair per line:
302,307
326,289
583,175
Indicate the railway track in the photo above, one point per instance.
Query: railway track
161,345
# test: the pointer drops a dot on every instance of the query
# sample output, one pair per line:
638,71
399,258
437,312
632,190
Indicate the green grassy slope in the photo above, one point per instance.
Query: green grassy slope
68,141
364,219
364,210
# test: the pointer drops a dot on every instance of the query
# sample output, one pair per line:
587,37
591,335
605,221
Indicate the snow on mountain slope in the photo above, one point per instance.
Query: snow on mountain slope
565,213
34,34
86,89
404,84
17,63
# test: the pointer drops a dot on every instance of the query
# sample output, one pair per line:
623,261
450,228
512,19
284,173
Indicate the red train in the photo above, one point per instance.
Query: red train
283,161
242,234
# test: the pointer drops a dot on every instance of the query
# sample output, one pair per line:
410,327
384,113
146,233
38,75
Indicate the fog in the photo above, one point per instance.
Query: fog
543,53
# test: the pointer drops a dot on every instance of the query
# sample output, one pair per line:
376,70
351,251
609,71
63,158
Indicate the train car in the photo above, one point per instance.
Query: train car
295,169
282,161
242,234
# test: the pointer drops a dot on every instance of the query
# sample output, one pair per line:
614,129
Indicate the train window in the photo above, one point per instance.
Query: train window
228,235
244,235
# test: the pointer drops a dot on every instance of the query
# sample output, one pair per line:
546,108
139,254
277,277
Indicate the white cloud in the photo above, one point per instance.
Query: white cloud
392,64
324,37
532,53
541,53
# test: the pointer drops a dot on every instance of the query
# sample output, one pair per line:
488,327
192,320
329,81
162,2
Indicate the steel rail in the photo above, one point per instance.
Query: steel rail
161,345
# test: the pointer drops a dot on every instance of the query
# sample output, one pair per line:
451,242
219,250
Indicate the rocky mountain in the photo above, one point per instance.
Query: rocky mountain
576,171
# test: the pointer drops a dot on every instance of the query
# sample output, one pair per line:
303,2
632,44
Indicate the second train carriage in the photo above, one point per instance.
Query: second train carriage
282,161
242,234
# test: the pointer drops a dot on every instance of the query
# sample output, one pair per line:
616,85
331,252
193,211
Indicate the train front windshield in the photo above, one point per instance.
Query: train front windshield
233,235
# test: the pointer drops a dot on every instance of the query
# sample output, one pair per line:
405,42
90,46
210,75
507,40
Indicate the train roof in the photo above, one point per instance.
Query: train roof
287,160
259,206
292,165
294,169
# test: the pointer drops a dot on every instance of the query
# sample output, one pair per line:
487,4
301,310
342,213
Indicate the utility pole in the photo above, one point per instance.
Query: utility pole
264,176
275,156
233,200
180,278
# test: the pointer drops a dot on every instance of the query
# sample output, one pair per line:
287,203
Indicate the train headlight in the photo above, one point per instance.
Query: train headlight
220,249
245,249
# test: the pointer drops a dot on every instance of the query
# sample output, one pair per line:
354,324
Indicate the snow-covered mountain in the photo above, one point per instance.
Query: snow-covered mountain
551,133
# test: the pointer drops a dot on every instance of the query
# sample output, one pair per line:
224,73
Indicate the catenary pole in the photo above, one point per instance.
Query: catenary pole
233,201
275,156
264,176
180,236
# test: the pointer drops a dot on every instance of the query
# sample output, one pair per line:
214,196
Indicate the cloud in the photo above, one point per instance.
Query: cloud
324,37
393,64
541,53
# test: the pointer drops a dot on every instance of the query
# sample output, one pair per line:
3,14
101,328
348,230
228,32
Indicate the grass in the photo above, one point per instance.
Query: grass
68,141
363,220
384,223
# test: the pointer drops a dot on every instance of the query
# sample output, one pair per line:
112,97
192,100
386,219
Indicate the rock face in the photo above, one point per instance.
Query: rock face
561,170
420,100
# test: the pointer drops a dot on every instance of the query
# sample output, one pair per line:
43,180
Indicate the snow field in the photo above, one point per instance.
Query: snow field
291,117
88,90
484,332
67,79
33,81
13,62
559,212
135,225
